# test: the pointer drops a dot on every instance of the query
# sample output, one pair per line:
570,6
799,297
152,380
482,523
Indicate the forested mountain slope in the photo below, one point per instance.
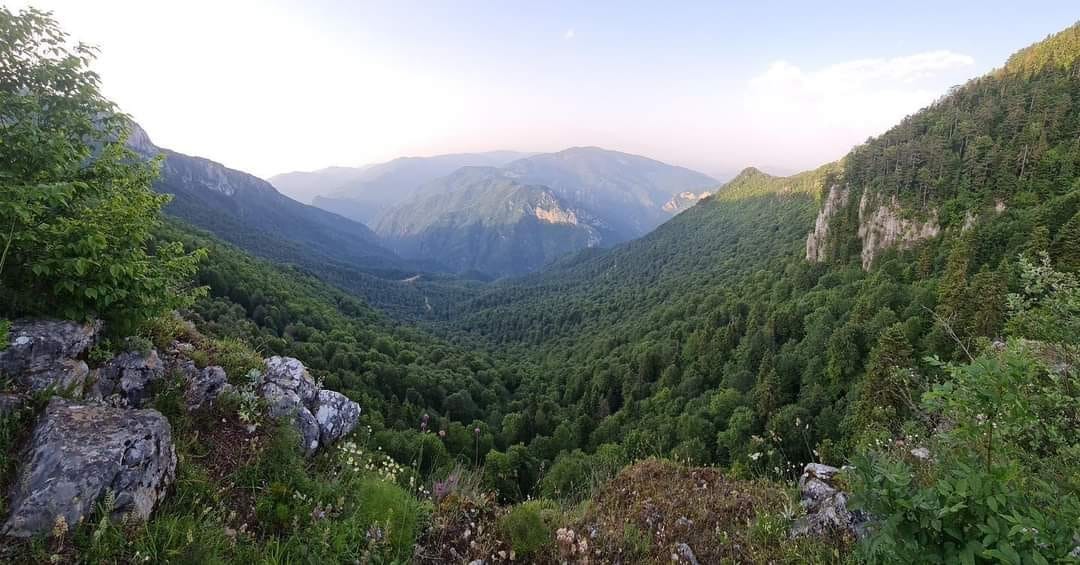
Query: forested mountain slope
250,213
716,328
364,193
478,220
629,192
247,210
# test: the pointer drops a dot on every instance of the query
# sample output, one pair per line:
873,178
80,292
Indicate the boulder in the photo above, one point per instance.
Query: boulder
826,505
290,375
81,455
321,417
203,387
336,415
41,354
126,379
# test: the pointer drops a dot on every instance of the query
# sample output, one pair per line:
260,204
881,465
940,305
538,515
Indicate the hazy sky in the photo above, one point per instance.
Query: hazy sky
275,86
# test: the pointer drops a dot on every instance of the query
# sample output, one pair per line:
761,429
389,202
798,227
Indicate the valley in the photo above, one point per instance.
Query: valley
576,356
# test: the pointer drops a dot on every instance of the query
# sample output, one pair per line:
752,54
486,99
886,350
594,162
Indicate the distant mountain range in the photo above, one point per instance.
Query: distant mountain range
477,219
364,193
505,213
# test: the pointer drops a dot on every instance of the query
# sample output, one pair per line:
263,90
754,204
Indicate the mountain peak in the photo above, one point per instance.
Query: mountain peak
751,172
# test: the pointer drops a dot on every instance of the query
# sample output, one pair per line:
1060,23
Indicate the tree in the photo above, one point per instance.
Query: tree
77,203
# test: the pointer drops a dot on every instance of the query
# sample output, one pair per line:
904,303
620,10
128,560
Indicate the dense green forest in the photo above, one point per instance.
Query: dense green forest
712,341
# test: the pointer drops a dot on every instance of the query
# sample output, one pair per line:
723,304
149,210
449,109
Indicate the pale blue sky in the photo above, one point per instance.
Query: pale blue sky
275,86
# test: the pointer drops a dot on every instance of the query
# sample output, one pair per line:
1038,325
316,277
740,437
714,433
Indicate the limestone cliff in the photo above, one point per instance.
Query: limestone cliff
817,241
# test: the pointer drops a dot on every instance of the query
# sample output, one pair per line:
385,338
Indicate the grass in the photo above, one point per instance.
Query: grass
530,527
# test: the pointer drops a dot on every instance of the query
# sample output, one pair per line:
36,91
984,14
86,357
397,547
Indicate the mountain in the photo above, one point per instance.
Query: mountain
363,193
478,220
249,212
631,193
304,186
790,315
514,219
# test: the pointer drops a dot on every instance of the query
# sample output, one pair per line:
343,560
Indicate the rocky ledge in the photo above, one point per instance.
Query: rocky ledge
826,505
81,455
321,416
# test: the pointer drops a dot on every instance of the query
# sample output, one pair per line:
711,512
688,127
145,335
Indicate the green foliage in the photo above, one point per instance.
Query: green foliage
1002,486
1048,306
236,357
77,205
5,328
530,527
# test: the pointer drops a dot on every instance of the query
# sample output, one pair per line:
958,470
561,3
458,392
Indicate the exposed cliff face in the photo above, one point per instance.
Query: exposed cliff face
881,227
818,239
684,200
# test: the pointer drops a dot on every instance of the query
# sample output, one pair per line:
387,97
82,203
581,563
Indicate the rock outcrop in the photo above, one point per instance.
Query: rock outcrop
321,416
10,402
826,505
128,378
204,386
43,354
83,454
818,240
882,226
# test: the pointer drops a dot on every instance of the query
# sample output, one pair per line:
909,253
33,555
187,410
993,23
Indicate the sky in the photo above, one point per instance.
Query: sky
272,86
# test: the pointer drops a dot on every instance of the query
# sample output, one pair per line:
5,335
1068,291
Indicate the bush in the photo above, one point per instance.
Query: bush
530,527
1002,485
236,357
77,204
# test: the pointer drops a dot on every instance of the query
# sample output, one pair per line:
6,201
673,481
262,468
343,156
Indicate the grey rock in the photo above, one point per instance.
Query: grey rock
290,374
129,376
64,375
308,428
321,416
823,472
41,354
10,402
921,453
685,554
818,239
203,387
336,415
80,452
826,505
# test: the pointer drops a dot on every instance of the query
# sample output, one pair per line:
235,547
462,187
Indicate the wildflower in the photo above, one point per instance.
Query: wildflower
442,433
755,456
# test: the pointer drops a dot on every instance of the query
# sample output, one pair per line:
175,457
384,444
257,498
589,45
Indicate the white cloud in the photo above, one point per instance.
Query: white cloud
830,106
569,34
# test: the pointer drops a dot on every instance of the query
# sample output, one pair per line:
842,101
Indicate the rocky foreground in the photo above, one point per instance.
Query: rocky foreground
96,447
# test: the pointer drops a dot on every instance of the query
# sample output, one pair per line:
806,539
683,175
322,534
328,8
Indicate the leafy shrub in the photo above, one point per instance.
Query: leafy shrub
77,203
5,329
101,352
200,357
1002,485
530,527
